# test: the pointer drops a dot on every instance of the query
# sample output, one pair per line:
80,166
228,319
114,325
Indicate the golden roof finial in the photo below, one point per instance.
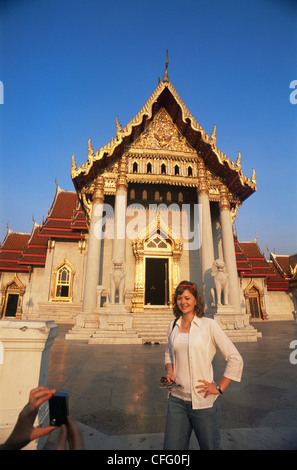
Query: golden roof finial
73,167
213,135
166,78
118,127
253,178
90,148
73,163
238,161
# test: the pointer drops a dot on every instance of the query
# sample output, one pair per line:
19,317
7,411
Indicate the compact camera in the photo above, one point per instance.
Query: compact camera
58,408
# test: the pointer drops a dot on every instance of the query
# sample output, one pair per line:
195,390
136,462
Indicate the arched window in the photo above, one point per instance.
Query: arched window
62,290
176,170
157,242
135,167
149,167
144,194
132,194
63,282
190,171
163,169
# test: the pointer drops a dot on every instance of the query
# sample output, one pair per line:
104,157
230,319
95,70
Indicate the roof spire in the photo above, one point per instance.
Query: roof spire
166,78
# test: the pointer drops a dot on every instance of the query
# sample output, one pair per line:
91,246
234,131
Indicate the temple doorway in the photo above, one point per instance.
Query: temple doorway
254,307
11,305
156,281
12,298
254,302
157,254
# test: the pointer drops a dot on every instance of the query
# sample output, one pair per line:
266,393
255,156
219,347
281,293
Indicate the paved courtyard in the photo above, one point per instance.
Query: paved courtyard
114,392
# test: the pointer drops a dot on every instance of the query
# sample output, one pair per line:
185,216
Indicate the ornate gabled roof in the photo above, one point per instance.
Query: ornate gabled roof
11,249
276,281
34,253
282,263
285,268
280,271
165,96
243,265
256,264
65,219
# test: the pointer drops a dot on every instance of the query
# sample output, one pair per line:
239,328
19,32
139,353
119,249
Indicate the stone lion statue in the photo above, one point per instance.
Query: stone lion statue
219,273
117,281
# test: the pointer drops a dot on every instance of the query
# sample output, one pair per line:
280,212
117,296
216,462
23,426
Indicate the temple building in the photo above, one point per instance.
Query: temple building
154,206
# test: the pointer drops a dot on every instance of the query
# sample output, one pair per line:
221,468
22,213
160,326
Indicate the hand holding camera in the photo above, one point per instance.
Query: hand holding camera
59,416
167,383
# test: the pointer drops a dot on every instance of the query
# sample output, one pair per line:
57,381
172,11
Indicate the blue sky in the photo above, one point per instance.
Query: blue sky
69,67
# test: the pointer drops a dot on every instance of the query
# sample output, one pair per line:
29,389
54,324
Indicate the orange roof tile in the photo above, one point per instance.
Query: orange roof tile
256,265
62,221
11,249
35,250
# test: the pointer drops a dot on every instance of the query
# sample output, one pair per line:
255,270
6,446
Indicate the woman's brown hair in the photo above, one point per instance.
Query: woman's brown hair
191,287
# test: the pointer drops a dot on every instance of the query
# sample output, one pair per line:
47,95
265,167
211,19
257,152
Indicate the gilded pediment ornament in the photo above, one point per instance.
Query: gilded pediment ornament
162,134
157,225
15,284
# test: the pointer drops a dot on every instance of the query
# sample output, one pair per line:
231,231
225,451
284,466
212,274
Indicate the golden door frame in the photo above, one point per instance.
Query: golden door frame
155,241
253,291
16,287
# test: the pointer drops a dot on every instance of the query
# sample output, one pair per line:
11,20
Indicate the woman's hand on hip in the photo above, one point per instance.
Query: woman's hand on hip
209,388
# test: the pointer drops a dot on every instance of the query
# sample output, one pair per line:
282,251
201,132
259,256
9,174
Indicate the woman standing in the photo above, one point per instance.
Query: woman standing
191,347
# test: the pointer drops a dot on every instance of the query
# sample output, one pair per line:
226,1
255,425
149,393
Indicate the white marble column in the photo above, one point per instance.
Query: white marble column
207,251
115,322
230,317
229,249
94,248
118,274
88,321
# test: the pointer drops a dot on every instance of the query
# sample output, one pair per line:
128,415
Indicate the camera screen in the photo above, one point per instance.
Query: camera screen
58,406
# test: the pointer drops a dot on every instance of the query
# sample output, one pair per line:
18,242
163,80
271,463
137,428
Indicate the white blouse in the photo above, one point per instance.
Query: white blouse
182,373
204,337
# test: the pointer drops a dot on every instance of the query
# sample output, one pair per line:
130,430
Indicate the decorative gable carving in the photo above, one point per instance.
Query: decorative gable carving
14,285
162,134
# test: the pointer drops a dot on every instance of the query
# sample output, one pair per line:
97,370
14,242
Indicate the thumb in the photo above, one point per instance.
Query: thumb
40,432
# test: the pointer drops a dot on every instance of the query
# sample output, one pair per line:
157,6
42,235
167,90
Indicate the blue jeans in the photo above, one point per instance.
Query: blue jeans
182,419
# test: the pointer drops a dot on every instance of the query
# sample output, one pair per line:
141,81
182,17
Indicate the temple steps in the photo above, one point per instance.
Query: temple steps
60,314
152,325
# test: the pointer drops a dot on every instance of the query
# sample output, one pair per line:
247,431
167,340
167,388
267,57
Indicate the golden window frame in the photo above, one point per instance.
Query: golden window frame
65,264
